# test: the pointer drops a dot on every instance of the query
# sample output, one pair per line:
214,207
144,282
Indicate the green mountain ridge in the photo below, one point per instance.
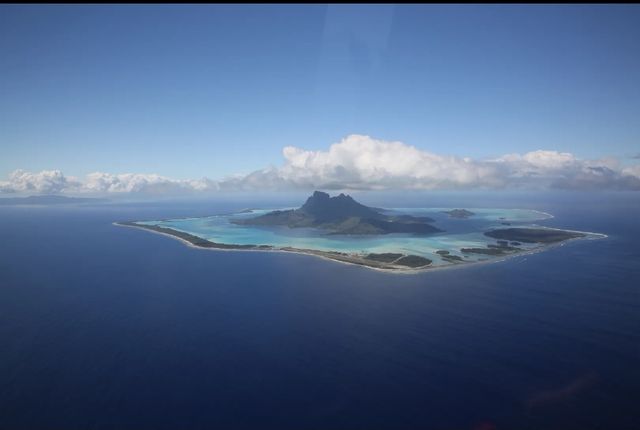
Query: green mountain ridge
342,215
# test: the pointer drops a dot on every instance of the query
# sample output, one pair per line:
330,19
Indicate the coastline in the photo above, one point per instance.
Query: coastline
592,233
328,255
351,259
545,215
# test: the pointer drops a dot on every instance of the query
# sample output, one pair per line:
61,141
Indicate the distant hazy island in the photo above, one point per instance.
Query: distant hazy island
342,216
48,200
459,213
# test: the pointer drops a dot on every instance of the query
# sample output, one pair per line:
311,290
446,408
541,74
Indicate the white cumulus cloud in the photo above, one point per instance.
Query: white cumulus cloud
360,162
44,182
99,182
54,182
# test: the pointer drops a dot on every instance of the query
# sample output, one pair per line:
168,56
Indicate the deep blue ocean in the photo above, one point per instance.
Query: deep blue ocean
105,327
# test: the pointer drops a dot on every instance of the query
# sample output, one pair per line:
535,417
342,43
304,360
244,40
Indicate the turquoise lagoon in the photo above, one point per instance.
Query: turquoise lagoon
457,234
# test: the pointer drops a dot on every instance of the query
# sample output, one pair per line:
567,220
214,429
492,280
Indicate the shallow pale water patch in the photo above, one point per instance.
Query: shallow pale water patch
458,233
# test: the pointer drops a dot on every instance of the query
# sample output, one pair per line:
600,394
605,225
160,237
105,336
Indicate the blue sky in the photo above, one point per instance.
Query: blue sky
195,91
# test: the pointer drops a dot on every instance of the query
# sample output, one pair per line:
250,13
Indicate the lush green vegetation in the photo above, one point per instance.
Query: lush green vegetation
341,215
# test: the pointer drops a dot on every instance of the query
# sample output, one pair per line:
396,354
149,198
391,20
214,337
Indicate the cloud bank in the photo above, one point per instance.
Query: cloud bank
363,163
360,163
54,182
44,182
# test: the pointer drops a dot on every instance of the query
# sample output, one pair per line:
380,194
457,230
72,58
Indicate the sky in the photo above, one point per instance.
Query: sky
206,97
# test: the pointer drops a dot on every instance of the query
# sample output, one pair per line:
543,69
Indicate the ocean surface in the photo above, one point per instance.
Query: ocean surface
105,327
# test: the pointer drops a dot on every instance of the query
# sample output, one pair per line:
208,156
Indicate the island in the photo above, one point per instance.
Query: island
533,235
342,215
459,213
387,261
341,229
448,256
